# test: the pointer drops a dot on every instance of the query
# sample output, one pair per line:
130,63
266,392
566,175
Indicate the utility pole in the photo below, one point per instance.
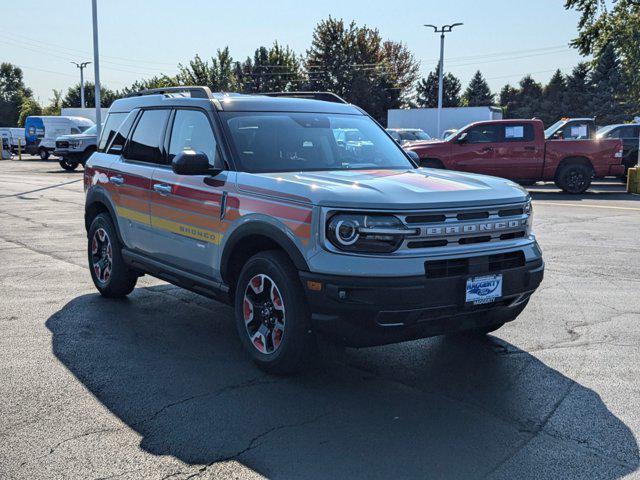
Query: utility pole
96,64
442,30
81,66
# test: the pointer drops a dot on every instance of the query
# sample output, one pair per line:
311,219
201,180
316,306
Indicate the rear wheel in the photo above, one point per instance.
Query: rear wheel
272,315
68,165
574,178
44,153
110,274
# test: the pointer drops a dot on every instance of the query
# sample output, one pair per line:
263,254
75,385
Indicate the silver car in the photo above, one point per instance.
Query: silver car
75,150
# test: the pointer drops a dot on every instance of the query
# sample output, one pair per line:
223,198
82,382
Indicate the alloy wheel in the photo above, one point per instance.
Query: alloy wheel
264,314
101,255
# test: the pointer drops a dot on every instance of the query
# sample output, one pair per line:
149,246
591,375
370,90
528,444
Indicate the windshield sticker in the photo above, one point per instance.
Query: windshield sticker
514,132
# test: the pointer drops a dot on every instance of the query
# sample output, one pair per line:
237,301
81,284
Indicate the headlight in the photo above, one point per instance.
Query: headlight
367,233
528,210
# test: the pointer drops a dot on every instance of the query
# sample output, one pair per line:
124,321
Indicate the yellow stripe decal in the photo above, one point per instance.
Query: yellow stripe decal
133,215
187,230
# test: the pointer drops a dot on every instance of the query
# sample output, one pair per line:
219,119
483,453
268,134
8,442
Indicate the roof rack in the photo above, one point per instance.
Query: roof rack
324,96
195,91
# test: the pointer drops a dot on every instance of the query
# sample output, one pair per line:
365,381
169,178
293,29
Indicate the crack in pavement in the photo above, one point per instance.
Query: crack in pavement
41,189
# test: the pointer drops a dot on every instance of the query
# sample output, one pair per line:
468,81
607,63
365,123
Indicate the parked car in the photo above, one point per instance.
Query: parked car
571,129
14,136
41,132
252,200
75,150
629,134
518,150
405,136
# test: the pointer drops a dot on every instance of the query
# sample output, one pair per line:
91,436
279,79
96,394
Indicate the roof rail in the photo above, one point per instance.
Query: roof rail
195,91
324,96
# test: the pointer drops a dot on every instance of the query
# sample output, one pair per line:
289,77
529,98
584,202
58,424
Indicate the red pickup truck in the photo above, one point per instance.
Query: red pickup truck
517,149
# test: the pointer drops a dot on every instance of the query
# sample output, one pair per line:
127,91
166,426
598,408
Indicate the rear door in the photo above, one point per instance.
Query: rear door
131,176
186,209
476,152
518,156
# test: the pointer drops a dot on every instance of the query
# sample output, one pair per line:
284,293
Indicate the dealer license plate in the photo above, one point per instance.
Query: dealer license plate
484,289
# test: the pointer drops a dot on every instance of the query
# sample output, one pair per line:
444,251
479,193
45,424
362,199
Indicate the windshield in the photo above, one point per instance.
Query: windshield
552,129
292,142
91,130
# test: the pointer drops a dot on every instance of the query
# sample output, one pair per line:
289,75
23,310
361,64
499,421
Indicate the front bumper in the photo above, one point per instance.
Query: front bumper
616,170
366,311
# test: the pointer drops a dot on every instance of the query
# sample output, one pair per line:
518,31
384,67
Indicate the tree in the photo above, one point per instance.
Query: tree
529,99
271,70
578,93
12,93
28,107
351,62
72,97
608,93
509,100
554,97
402,68
219,75
158,81
427,91
56,104
478,93
601,25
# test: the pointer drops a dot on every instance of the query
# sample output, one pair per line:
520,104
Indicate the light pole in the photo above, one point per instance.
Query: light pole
81,66
96,64
442,30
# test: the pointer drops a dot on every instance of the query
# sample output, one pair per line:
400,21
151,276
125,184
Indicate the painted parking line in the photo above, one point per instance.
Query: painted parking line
587,205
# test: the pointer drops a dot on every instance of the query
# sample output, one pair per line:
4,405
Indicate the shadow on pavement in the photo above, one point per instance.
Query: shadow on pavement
170,366
605,190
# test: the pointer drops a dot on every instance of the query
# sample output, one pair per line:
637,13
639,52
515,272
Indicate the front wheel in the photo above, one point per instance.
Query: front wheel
44,153
110,274
272,315
68,165
574,178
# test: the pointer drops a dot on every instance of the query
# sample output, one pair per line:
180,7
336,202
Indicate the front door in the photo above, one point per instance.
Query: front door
475,151
186,210
518,156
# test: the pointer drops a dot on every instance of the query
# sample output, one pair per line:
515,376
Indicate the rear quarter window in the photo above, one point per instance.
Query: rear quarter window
111,125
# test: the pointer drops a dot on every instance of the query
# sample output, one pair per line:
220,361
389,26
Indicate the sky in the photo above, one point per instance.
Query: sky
505,39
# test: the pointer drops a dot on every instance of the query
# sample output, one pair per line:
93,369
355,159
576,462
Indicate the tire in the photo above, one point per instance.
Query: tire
110,274
86,155
574,178
427,163
68,165
44,154
278,337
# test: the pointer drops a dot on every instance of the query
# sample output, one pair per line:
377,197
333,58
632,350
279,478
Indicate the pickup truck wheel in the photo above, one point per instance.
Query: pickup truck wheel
110,274
574,178
68,164
44,153
272,315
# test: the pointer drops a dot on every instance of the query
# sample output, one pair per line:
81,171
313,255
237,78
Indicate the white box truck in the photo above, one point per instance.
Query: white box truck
452,118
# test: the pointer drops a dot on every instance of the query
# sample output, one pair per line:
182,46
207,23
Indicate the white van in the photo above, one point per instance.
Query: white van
13,136
41,132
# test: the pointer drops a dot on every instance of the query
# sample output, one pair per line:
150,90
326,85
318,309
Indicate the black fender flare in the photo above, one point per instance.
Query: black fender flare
266,230
98,196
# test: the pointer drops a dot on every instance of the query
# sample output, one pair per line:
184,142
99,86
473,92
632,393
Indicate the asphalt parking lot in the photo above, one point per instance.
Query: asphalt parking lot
157,386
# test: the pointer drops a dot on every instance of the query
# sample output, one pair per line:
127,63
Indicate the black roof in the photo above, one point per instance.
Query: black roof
235,102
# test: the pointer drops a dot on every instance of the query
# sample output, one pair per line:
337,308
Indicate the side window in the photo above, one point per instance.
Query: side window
145,142
518,133
109,129
192,131
74,131
484,134
122,132
627,132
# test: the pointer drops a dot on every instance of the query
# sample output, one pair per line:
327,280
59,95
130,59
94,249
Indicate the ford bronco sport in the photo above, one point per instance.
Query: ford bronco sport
250,199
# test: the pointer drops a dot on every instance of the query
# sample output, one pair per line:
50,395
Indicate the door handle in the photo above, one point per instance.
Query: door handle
116,180
162,188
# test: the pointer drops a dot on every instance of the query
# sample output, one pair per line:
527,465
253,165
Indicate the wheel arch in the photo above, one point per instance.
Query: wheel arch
576,160
98,202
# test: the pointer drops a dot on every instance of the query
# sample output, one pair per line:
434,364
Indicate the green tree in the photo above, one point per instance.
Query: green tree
402,69
218,75
12,93
158,81
509,100
608,89
72,97
602,24
554,97
28,107
478,93
350,61
529,99
578,93
275,69
55,104
427,91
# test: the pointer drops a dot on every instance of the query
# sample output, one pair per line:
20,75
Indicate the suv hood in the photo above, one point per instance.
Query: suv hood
385,189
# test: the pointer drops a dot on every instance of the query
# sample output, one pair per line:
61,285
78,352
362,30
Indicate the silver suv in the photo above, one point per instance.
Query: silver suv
76,149
252,200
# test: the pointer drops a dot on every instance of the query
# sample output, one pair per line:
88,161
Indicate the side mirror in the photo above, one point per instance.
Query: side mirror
190,162
413,156
462,138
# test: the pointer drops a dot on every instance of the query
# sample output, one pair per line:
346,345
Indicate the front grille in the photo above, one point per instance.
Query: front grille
457,227
62,144
456,267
